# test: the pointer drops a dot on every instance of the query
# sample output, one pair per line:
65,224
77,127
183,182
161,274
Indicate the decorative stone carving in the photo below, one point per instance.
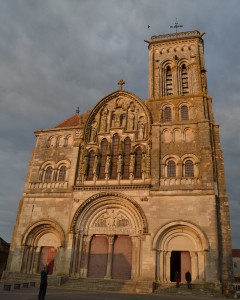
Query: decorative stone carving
93,132
104,120
141,131
112,221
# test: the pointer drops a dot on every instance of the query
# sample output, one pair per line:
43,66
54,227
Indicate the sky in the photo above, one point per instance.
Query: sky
56,55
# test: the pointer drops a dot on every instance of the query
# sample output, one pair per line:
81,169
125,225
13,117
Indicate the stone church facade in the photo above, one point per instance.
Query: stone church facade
132,189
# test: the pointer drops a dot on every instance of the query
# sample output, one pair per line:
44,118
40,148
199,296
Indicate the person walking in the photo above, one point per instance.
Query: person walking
177,278
43,284
188,278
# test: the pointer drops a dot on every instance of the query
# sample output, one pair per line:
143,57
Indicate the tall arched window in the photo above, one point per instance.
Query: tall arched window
62,173
138,163
171,169
48,174
126,158
167,114
189,169
103,158
169,86
184,113
115,147
184,80
91,157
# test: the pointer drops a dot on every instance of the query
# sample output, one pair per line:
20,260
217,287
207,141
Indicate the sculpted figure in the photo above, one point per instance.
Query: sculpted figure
131,121
132,163
94,132
141,131
119,164
107,165
104,120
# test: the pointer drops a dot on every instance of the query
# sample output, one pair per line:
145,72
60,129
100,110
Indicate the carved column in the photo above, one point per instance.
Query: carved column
110,257
86,249
79,254
167,265
194,264
201,265
25,259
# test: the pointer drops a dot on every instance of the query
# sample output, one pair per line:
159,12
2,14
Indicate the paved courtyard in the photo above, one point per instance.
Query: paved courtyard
54,293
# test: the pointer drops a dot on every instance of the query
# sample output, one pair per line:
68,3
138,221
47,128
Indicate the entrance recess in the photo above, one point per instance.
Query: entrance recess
181,262
47,258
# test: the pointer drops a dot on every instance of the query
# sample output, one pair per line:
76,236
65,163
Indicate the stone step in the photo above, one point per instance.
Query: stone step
200,290
128,286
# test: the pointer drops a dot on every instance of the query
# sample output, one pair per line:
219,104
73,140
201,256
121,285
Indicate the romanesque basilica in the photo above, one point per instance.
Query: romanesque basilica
133,189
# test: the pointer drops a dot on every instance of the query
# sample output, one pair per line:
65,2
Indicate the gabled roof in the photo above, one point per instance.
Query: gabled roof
73,121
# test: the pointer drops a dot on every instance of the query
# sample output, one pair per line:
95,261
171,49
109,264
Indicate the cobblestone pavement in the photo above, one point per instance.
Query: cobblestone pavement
54,293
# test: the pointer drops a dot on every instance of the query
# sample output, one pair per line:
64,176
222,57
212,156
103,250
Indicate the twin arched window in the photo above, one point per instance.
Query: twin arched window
183,80
54,175
167,113
187,169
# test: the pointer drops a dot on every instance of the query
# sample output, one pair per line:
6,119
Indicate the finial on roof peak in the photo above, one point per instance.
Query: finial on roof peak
121,83
77,110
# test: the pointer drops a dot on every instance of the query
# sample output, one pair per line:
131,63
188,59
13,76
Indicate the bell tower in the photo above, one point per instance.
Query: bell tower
176,65
186,157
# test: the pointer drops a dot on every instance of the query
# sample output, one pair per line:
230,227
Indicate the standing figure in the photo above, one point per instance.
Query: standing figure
177,278
141,131
43,284
188,278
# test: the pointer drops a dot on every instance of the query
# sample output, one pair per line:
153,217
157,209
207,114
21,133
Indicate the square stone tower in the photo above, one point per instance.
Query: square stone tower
185,137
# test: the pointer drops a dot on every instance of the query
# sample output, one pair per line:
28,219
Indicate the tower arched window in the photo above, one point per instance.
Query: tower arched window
115,147
184,113
138,163
103,158
48,174
189,169
184,80
169,83
167,114
62,173
91,157
126,158
171,169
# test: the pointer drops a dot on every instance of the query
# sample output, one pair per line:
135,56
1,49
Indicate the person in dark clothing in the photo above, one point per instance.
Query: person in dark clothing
43,284
188,278
177,278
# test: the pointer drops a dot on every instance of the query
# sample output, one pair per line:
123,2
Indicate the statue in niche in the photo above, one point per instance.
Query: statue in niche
141,131
122,120
95,165
144,165
118,103
132,163
131,121
93,132
119,164
104,120
107,165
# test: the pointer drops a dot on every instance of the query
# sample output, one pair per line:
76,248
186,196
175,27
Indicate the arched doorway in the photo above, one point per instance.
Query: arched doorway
41,242
180,246
110,241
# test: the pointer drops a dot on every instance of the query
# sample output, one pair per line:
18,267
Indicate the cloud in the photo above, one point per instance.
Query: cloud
57,55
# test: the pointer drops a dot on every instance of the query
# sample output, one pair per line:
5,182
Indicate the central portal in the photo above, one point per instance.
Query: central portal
118,260
181,262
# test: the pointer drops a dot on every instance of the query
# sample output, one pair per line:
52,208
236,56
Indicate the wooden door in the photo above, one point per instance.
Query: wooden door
97,266
122,258
185,264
